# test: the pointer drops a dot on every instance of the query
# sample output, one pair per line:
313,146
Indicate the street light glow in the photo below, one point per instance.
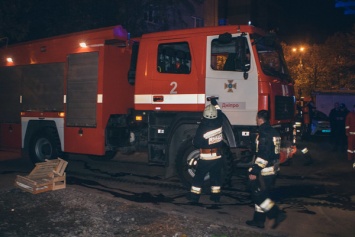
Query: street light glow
300,49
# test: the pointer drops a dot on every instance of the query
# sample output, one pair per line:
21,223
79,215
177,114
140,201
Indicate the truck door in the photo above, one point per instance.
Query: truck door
233,81
170,81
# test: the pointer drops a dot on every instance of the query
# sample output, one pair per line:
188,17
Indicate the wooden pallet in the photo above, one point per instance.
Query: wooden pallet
46,176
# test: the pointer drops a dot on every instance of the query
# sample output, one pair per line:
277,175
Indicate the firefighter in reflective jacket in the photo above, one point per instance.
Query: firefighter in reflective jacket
263,172
208,139
350,133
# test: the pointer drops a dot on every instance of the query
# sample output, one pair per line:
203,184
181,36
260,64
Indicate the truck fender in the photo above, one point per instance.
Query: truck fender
228,132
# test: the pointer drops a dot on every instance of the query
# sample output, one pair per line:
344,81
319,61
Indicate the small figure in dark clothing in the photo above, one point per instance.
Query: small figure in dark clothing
209,140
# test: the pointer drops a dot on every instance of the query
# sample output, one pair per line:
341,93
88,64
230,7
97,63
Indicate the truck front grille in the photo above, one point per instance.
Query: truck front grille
284,107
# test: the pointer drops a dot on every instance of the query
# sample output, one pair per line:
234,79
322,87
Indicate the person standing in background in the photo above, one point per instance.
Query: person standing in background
332,120
337,124
350,133
341,124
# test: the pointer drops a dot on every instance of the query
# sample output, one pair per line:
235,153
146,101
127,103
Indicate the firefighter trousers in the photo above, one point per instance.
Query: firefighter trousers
260,193
214,167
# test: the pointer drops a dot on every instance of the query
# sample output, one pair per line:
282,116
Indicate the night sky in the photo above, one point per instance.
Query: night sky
297,21
310,21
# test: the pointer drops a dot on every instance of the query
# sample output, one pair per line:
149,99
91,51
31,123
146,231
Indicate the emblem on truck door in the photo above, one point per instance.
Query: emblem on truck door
230,86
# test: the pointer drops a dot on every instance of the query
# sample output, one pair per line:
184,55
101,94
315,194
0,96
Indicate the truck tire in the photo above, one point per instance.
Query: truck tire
44,145
186,172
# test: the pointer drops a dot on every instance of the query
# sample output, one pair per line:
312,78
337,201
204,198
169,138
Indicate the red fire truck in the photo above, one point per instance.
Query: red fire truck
99,92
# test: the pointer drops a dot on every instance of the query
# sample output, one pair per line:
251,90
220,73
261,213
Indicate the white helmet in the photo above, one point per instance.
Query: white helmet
210,112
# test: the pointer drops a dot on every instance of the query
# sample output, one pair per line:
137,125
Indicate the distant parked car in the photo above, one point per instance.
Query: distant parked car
320,124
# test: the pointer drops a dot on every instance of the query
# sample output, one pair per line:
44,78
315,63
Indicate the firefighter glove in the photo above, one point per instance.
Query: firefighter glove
214,101
255,170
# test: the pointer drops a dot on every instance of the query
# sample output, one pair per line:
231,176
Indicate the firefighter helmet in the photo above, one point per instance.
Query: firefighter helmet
210,112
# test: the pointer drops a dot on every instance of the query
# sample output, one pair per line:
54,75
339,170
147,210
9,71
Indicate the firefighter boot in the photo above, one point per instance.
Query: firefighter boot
276,214
193,197
258,220
306,156
308,159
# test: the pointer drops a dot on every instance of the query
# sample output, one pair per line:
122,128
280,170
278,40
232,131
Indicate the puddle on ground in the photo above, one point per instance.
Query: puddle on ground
114,174
143,197
301,195
307,212
315,195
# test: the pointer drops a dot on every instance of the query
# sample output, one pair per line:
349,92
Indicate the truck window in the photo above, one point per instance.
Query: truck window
271,57
224,56
174,58
270,61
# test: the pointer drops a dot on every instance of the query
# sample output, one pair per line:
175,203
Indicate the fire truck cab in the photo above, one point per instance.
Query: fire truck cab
178,71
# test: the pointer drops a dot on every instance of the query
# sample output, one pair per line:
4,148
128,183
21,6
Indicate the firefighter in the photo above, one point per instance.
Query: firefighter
350,133
307,113
208,139
263,173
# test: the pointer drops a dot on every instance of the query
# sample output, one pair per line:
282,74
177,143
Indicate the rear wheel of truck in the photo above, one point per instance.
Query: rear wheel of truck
44,145
186,172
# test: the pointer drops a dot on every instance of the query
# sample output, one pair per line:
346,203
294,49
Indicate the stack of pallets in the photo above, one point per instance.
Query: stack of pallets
46,176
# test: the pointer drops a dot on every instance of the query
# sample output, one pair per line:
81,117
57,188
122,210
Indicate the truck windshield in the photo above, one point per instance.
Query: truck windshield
271,58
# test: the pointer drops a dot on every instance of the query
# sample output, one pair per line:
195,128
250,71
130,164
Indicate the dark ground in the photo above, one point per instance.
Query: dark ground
318,199
76,212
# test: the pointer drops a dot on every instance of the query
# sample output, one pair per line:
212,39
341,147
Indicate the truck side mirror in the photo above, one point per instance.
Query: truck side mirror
241,49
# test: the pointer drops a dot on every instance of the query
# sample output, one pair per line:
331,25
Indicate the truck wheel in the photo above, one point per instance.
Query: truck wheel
44,145
186,172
